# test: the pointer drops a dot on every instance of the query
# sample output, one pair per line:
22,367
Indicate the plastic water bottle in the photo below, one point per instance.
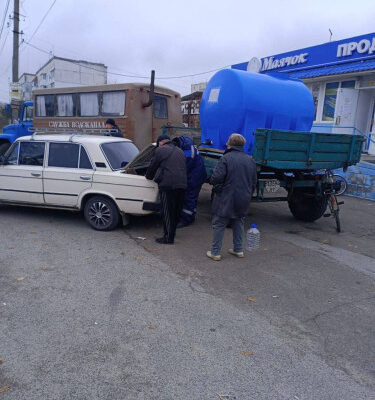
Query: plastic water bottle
253,237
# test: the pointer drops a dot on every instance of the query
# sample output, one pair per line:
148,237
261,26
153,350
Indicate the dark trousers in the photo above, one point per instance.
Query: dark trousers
190,204
171,202
218,225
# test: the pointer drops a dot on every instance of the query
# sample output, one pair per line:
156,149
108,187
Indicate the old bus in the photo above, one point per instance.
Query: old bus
139,110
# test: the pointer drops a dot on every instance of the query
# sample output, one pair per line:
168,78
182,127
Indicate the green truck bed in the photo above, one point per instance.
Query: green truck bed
289,150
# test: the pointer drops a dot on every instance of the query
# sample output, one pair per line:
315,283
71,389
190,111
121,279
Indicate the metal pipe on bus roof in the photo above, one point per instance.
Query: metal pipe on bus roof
151,94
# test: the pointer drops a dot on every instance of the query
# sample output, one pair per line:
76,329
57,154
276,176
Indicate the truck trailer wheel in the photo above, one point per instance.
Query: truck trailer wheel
305,206
3,148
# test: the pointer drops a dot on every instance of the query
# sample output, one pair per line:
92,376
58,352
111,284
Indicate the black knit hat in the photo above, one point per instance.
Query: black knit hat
162,137
110,121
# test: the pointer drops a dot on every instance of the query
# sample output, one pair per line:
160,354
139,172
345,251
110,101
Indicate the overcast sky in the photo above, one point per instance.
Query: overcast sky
176,37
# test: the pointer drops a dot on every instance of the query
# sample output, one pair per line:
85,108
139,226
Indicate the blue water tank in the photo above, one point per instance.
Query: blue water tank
237,101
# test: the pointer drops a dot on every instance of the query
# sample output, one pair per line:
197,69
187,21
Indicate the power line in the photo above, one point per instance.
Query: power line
4,16
196,74
35,31
5,40
75,53
127,75
86,66
42,20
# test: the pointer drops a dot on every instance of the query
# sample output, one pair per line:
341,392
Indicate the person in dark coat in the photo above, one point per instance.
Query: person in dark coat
115,130
196,176
234,179
168,170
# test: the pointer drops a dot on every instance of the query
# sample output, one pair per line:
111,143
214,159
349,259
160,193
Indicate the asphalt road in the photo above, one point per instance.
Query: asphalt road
91,315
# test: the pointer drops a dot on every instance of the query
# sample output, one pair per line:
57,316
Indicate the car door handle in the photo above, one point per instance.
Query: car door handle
35,174
85,177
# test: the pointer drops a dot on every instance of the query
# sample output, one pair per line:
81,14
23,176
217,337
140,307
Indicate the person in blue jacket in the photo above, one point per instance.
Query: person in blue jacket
196,176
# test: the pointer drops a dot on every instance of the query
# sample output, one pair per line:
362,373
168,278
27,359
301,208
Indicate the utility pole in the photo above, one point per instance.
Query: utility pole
16,41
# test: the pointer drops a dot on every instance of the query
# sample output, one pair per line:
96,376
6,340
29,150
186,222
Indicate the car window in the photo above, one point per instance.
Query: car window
12,158
31,153
63,155
119,154
84,161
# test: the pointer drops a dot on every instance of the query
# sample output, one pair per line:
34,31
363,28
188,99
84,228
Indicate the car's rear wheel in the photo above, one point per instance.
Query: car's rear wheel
101,213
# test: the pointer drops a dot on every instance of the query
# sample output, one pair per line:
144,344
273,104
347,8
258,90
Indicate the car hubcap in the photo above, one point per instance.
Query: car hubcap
100,214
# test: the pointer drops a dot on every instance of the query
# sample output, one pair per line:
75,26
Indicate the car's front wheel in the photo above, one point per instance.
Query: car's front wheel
101,213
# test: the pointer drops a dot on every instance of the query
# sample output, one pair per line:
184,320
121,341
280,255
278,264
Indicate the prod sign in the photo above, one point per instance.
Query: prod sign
362,47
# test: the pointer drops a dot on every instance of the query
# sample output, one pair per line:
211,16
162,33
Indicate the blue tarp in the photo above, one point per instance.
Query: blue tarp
334,69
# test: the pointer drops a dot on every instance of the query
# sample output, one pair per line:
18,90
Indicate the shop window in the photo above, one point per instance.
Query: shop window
348,85
113,103
372,120
66,105
160,107
315,94
45,105
88,104
330,101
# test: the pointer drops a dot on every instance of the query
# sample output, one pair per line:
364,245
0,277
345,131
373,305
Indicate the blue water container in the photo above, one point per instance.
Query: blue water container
237,101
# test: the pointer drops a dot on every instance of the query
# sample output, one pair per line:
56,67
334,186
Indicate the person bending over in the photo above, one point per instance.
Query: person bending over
168,170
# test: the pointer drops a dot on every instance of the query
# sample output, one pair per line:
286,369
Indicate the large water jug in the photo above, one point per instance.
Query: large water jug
252,238
240,102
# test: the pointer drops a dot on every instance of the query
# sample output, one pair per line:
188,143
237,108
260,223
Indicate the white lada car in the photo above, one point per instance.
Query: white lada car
78,172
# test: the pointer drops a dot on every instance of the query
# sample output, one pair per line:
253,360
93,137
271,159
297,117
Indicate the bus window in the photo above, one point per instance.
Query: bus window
88,104
113,103
45,105
160,107
66,105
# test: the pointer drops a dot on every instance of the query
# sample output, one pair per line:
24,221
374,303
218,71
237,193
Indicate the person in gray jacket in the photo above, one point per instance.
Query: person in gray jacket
168,170
234,179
